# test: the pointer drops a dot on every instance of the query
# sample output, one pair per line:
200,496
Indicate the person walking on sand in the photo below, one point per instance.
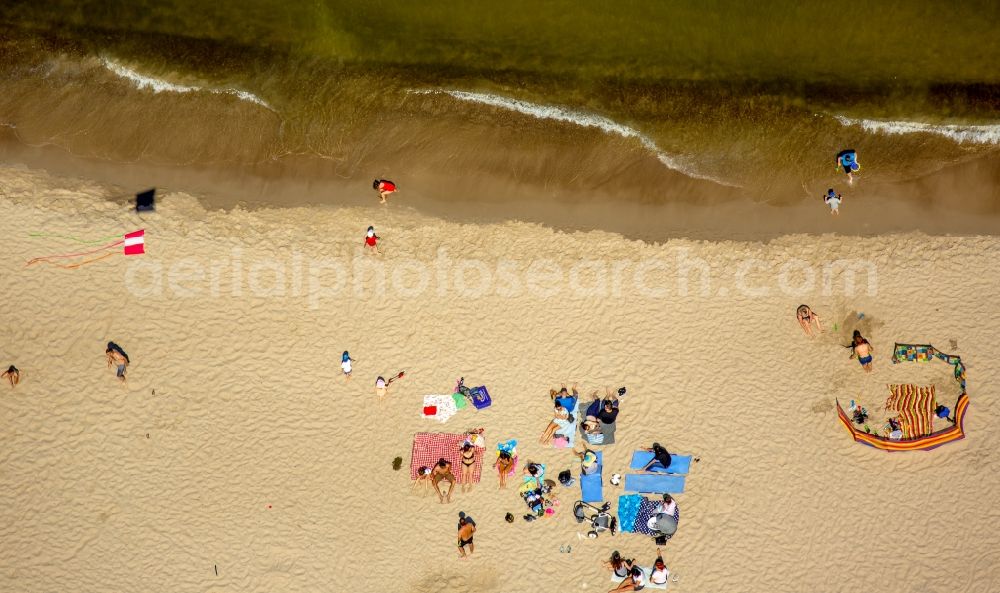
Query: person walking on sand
117,357
345,364
13,375
466,530
440,473
833,200
381,388
862,350
371,240
807,318
384,187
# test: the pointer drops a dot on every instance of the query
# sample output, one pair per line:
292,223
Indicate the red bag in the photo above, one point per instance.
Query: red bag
430,410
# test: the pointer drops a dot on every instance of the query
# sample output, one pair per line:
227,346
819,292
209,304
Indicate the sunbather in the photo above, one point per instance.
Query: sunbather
423,478
618,566
465,533
659,574
560,413
667,507
609,408
441,472
13,375
588,461
504,464
635,581
533,473
468,462
807,318
660,457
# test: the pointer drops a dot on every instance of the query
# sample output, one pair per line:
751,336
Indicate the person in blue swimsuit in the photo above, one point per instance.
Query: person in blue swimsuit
848,159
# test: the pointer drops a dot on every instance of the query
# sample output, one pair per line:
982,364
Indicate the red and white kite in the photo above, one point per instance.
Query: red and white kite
132,244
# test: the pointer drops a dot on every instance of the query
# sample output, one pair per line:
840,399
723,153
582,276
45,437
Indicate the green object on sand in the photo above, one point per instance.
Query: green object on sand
460,401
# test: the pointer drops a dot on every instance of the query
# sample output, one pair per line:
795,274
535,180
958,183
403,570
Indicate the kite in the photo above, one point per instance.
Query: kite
132,244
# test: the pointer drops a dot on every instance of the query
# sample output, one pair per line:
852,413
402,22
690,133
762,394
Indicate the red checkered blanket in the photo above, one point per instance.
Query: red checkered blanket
429,447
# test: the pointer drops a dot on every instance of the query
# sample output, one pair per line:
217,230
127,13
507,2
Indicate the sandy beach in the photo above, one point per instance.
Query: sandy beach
237,457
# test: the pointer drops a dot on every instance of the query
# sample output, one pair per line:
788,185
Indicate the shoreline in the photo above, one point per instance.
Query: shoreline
959,199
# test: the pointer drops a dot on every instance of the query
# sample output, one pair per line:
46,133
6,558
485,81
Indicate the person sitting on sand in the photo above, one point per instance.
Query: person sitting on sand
807,318
659,574
588,461
384,187
661,457
608,413
635,581
117,357
862,350
423,478
345,364
940,411
504,464
442,472
667,507
13,375
532,472
371,240
465,533
618,566
559,414
468,463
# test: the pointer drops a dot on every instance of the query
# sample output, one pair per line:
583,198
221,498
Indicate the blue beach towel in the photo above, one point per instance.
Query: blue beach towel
654,483
679,464
628,508
591,485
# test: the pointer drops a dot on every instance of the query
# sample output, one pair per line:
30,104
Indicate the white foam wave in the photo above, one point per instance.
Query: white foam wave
157,85
982,134
579,118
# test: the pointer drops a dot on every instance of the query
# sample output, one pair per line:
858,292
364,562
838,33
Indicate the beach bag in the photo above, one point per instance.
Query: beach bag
460,401
430,410
480,397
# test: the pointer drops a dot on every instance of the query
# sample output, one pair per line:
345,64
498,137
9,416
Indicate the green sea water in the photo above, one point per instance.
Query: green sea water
736,91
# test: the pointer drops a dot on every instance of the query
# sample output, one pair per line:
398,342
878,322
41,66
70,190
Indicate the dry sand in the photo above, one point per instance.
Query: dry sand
255,456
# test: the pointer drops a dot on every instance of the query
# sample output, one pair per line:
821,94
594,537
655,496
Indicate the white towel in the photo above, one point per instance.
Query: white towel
445,407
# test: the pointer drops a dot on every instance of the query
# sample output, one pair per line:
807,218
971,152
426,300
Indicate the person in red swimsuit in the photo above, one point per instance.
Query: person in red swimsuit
384,187
371,240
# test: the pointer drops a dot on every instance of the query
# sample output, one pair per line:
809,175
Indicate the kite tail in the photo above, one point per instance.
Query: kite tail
66,255
78,264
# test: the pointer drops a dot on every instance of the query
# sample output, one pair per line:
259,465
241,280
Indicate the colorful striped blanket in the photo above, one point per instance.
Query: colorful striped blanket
915,406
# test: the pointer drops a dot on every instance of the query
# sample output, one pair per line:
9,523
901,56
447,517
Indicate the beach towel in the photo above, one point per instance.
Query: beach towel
443,406
591,485
428,447
646,570
628,508
654,483
647,508
915,406
679,464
